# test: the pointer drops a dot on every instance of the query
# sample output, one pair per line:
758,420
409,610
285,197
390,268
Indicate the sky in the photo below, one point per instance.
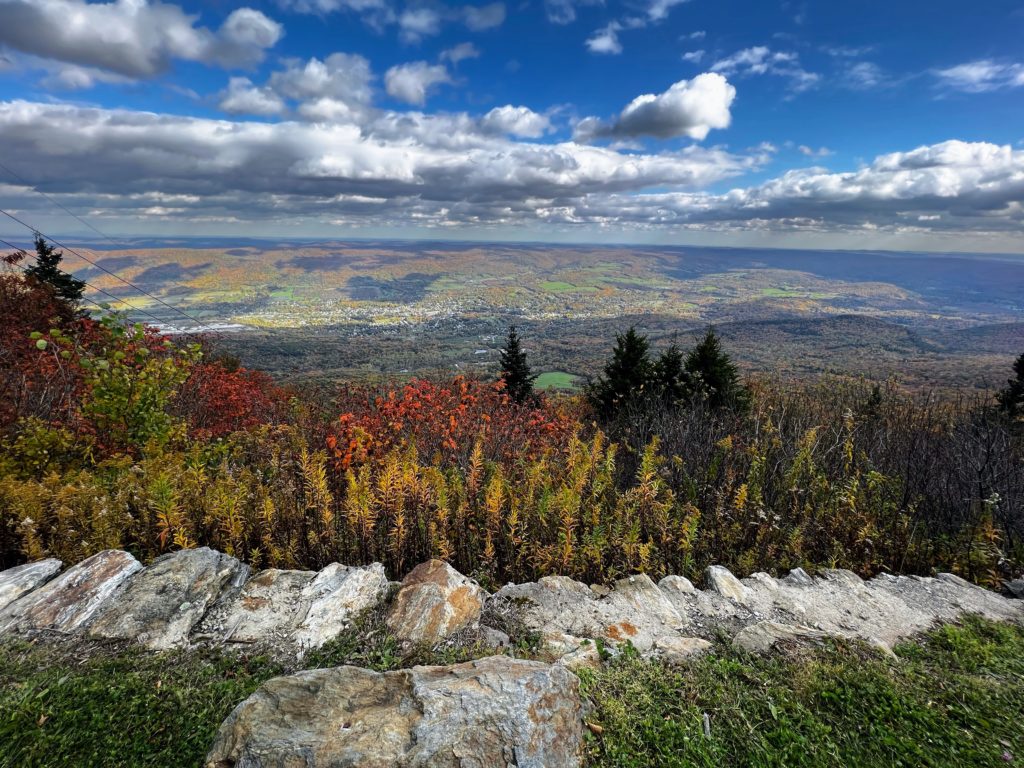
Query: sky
778,123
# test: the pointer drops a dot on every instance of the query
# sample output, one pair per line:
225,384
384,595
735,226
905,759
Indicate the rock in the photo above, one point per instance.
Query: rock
721,581
335,597
764,635
678,584
69,602
946,598
487,713
163,602
266,609
635,609
16,581
798,578
842,576
494,638
679,650
434,602
643,612
561,643
760,581
586,656
1015,588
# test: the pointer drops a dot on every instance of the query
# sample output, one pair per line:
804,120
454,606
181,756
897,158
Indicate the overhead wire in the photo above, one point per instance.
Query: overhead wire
98,305
101,268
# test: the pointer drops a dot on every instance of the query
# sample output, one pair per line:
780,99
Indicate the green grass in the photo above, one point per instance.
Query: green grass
556,380
955,699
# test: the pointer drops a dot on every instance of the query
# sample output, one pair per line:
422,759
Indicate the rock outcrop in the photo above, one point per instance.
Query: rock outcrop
434,602
162,604
17,581
299,610
70,601
495,711
836,603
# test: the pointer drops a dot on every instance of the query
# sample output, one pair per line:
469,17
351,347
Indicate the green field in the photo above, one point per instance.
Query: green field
557,380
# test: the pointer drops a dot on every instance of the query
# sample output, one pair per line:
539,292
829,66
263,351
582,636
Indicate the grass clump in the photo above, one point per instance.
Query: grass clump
956,698
126,708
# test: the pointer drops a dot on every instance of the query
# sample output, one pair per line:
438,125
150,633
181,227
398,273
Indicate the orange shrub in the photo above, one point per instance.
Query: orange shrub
445,419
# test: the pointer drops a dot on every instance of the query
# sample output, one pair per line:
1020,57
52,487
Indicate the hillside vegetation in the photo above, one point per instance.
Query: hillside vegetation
115,436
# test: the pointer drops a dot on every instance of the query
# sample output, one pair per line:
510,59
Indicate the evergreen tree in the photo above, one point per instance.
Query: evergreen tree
670,375
713,376
1011,398
515,371
628,374
47,271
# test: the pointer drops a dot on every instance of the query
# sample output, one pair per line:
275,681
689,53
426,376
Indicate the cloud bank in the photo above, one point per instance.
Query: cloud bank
410,169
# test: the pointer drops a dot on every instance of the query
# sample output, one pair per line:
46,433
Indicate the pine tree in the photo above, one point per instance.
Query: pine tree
670,375
1011,398
713,376
628,374
515,371
47,271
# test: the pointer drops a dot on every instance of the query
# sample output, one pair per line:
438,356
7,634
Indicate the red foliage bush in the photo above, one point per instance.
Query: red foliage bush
216,401
35,380
445,419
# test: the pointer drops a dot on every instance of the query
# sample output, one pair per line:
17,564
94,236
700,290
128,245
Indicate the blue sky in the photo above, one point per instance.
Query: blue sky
808,124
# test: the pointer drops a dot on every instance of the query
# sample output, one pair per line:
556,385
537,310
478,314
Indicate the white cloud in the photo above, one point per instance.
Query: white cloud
659,9
341,77
761,60
484,17
413,82
700,34
516,121
564,11
132,38
981,76
441,170
417,23
244,98
694,57
330,6
952,187
865,76
145,170
606,39
247,28
688,108
812,152
460,52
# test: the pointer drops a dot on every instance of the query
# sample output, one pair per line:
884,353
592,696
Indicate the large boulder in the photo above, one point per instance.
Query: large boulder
17,581
67,603
294,610
163,602
266,610
633,610
337,595
721,581
435,601
494,712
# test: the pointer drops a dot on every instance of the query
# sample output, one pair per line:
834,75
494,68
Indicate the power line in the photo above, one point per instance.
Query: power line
73,215
144,292
105,293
